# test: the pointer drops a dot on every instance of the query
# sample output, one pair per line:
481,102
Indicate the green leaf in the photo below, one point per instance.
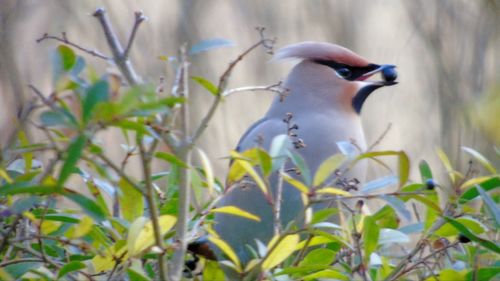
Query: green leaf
20,188
490,205
483,274
67,57
326,274
327,168
323,215
333,191
371,233
472,224
210,44
92,185
233,210
73,155
99,92
425,171
207,85
212,271
87,205
465,231
171,158
136,126
479,157
131,201
319,256
472,192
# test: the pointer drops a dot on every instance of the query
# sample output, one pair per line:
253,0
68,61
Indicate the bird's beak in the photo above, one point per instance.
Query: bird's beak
388,73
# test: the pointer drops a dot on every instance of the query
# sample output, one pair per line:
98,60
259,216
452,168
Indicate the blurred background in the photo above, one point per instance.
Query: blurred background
447,53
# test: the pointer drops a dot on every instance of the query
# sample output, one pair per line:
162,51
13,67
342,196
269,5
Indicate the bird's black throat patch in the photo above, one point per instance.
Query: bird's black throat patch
360,97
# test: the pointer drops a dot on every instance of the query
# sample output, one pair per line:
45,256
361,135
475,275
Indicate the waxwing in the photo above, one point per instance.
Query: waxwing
327,89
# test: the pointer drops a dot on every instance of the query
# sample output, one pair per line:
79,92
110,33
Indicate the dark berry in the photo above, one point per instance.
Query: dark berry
463,239
430,184
390,74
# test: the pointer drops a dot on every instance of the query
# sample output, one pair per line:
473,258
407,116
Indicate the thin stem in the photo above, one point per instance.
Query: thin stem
277,202
139,18
119,57
404,262
185,179
65,40
152,206
117,170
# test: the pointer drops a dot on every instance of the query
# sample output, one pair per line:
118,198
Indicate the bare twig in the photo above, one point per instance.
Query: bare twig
277,202
275,88
139,18
267,43
64,39
116,169
395,273
380,138
177,264
152,206
119,57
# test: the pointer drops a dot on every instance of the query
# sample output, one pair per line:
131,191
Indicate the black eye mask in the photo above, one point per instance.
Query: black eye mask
348,72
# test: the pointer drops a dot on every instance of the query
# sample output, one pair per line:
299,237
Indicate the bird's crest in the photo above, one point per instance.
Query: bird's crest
321,51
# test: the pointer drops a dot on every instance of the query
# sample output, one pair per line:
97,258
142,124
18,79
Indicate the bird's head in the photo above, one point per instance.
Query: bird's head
335,73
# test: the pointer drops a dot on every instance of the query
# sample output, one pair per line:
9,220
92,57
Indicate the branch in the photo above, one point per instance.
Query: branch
116,48
421,243
153,208
268,44
275,88
64,39
177,264
139,18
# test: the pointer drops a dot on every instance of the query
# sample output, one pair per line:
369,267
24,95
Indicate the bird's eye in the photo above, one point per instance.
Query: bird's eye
344,72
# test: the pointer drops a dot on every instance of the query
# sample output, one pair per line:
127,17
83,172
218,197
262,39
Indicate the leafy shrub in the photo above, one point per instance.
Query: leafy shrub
81,216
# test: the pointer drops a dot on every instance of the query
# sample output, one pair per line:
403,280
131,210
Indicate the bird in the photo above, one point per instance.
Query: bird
327,89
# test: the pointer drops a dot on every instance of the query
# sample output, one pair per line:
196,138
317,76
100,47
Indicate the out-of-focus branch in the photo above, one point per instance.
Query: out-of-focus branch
64,39
119,57
139,17
152,206
268,44
177,264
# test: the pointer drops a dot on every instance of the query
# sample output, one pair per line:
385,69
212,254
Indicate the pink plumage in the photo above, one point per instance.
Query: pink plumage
321,51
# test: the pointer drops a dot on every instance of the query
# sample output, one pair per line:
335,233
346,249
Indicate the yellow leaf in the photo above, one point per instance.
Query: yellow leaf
327,168
48,227
316,240
334,191
233,210
80,229
447,164
227,250
108,259
283,250
146,238
209,174
5,176
297,184
135,228
250,170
